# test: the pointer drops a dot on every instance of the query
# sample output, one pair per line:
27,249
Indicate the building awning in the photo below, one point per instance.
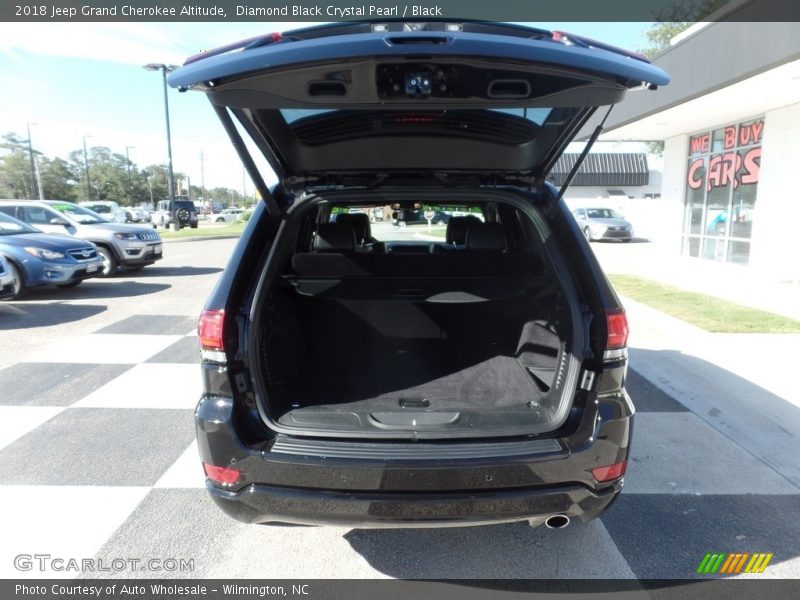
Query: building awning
603,168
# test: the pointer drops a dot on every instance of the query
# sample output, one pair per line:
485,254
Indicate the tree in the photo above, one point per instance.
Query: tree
15,168
660,34
676,18
59,181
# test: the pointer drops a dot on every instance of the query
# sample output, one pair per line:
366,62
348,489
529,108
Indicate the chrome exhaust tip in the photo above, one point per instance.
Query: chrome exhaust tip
557,522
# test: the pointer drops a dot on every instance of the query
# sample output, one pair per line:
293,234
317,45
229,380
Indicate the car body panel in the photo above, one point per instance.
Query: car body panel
79,258
228,215
140,246
601,225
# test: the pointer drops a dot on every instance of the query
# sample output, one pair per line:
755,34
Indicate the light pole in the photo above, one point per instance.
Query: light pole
128,169
150,187
33,166
202,179
164,70
86,167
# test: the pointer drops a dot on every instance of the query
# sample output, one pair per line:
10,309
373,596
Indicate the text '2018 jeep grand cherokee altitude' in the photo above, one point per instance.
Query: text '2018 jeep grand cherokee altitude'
371,382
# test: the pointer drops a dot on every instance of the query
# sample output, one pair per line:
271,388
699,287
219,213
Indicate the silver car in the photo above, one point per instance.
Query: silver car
603,224
119,244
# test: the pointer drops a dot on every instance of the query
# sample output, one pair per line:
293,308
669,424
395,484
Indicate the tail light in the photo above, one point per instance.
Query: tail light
223,475
617,323
609,472
209,329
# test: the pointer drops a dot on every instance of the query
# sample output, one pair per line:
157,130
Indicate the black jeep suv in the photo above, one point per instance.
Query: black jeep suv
181,213
357,379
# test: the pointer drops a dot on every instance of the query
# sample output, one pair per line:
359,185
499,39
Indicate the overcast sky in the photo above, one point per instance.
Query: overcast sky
76,79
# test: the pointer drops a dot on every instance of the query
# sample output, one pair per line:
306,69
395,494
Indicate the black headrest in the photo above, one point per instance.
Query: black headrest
360,224
486,236
457,228
334,237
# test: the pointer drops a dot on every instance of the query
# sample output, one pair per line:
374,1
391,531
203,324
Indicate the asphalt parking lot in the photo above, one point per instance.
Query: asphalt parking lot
97,458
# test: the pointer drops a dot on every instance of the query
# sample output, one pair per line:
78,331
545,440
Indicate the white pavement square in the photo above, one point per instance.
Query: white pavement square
678,453
106,348
150,385
16,421
186,472
62,521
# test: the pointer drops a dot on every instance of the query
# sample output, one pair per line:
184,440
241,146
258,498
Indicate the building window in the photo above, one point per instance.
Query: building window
721,185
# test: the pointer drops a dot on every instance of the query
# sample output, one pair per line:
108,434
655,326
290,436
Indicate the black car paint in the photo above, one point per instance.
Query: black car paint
376,491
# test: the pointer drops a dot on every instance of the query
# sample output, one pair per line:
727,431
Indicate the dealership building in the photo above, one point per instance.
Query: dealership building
730,122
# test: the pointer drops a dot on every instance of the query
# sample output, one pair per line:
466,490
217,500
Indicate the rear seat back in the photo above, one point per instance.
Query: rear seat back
334,237
486,237
457,227
337,257
360,225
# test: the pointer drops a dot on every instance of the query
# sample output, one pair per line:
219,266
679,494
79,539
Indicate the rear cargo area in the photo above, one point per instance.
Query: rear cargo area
454,343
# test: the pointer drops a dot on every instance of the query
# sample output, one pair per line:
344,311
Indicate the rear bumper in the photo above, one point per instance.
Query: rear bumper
370,487
259,503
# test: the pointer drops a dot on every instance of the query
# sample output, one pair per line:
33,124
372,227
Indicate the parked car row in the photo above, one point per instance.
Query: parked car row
53,242
112,211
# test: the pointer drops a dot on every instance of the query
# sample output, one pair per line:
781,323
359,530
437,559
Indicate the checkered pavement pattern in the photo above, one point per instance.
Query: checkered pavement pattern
98,460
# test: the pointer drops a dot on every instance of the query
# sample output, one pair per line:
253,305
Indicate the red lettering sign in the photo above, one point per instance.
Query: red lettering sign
730,137
700,143
722,170
751,134
752,165
695,180
729,168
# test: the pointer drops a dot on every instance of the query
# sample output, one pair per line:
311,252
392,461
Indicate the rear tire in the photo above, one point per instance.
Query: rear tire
109,268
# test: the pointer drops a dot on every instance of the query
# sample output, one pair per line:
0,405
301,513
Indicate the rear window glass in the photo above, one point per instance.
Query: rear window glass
601,213
409,223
